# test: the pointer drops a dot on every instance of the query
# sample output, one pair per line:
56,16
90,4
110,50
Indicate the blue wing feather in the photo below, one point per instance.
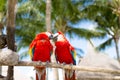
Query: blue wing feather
73,52
32,49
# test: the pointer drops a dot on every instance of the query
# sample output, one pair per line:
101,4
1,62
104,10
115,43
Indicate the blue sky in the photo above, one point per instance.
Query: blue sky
82,43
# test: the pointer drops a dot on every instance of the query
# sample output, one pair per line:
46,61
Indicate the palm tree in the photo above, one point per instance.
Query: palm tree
48,15
29,16
11,15
62,15
65,13
30,21
108,22
48,28
115,4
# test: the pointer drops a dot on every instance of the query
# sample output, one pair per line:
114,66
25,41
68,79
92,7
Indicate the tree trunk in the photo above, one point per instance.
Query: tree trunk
116,39
11,15
91,42
48,15
0,70
117,50
48,28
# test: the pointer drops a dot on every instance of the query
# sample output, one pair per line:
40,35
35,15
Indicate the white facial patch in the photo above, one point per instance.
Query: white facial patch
48,33
60,38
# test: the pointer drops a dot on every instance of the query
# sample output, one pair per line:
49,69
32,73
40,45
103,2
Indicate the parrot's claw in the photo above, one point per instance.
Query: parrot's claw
40,62
63,63
71,72
71,65
47,63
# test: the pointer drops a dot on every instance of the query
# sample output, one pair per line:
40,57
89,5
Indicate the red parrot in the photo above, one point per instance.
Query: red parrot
65,53
40,50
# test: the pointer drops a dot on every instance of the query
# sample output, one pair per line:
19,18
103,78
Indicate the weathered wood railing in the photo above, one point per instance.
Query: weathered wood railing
73,67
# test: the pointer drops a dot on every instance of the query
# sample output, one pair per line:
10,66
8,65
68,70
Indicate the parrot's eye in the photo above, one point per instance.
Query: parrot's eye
55,37
51,36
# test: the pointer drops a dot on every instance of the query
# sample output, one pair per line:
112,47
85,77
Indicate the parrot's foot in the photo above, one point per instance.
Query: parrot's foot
71,71
71,66
47,63
63,63
40,62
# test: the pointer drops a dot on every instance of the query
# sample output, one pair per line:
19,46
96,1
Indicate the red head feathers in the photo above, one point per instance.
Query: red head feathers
43,35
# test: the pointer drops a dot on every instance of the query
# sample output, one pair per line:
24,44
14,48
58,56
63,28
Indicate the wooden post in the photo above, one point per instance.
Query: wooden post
48,15
11,15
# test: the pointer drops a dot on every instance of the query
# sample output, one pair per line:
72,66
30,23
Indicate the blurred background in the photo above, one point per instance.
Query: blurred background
96,22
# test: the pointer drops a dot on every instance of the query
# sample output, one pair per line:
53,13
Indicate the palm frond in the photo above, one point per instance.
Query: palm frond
85,33
105,44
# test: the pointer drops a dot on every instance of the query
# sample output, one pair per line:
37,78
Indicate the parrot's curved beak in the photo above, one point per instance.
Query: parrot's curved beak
55,36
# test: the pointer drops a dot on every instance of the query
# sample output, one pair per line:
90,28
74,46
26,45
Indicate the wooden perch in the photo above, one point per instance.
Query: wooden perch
54,65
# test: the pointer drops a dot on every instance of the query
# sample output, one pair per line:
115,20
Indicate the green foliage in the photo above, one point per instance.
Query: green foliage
31,18
107,43
115,5
2,5
29,21
3,11
109,23
85,33
64,11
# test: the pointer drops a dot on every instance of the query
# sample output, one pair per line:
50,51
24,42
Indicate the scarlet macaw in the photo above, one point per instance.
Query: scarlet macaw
65,53
40,50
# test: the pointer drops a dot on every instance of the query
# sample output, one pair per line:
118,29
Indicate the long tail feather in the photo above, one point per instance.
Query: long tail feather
69,74
40,73
37,77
